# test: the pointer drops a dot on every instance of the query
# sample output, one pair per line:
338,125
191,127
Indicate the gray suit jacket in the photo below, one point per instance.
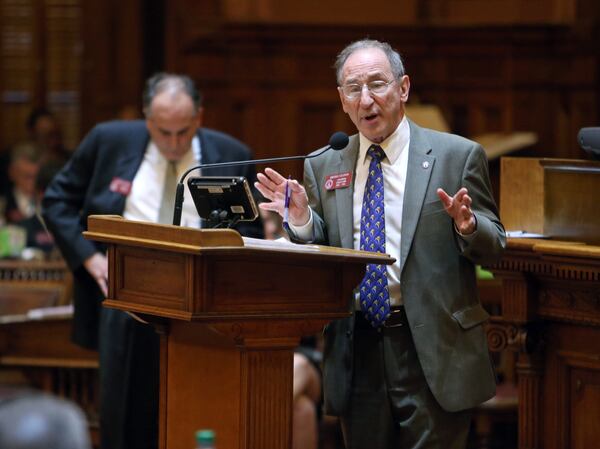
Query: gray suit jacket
438,281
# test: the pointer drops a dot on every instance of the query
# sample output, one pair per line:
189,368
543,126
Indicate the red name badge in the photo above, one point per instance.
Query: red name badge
338,180
121,186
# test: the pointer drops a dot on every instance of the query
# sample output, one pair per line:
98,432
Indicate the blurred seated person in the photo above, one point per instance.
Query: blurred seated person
307,372
37,234
43,129
25,162
37,421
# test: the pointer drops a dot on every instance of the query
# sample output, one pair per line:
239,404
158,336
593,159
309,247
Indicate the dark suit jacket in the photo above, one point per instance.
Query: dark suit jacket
82,188
437,267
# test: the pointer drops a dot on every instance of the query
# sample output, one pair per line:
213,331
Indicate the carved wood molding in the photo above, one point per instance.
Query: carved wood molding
563,268
530,370
572,305
539,285
502,335
515,263
21,271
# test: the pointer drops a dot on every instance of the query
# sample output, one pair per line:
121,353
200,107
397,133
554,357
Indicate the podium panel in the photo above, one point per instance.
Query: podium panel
229,315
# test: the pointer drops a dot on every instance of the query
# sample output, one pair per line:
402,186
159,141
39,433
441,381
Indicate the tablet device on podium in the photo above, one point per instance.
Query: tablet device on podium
223,200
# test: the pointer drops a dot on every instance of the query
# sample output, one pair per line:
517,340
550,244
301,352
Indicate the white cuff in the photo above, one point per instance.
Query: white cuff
305,231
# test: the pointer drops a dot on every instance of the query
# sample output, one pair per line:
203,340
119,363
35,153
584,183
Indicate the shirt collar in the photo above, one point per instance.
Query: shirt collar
392,146
154,155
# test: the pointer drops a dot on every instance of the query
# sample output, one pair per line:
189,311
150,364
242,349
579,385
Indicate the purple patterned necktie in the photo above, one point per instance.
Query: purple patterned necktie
374,294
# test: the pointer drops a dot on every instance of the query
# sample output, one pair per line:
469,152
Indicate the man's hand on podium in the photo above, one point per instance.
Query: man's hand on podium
97,266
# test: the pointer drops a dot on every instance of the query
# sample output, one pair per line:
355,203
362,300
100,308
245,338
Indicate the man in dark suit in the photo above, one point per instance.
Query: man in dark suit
405,369
129,168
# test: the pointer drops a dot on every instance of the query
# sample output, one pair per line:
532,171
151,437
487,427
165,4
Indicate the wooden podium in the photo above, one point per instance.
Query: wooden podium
230,315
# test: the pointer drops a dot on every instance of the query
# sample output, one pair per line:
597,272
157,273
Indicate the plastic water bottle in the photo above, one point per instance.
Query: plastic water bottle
205,439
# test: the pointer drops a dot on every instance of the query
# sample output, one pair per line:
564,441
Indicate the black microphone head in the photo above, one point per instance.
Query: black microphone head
589,141
338,140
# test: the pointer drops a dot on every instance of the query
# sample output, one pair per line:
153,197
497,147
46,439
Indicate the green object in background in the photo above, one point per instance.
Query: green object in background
205,439
12,241
483,274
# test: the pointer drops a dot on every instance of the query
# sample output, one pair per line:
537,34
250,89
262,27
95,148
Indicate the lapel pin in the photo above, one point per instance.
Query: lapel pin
425,164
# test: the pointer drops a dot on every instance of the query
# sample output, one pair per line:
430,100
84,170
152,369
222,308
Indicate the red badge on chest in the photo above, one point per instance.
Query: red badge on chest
121,186
338,180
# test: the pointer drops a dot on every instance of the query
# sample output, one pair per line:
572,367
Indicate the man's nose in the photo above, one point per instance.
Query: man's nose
181,141
365,96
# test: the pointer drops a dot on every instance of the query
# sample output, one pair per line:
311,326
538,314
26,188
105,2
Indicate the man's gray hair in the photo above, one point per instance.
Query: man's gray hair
393,57
161,82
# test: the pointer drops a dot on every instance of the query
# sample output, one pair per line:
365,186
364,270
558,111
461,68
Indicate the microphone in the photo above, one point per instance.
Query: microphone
589,141
337,141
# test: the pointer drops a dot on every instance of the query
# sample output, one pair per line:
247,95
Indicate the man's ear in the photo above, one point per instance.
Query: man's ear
404,88
342,99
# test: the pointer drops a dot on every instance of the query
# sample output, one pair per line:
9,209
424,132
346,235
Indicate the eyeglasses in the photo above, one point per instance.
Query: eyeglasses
354,91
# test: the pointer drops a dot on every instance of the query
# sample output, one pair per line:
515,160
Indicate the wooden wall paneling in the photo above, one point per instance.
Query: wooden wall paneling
112,68
62,65
540,77
318,12
583,107
97,62
464,12
454,12
533,110
20,67
40,63
128,46
287,79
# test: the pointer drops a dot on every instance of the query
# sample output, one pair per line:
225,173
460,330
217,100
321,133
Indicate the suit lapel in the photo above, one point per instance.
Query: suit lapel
209,153
132,154
343,197
129,162
420,167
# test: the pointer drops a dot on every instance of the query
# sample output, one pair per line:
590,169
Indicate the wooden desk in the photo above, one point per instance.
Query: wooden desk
26,285
551,317
35,344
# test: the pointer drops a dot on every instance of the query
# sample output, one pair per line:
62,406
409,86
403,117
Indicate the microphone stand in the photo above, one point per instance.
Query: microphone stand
180,186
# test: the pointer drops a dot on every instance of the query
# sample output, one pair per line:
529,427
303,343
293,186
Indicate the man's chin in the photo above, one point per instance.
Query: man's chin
374,137
173,156
372,132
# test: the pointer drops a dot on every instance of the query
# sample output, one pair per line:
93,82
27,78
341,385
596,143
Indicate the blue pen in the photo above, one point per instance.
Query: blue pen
286,204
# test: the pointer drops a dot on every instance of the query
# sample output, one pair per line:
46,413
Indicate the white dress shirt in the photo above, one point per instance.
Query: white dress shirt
394,167
143,201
